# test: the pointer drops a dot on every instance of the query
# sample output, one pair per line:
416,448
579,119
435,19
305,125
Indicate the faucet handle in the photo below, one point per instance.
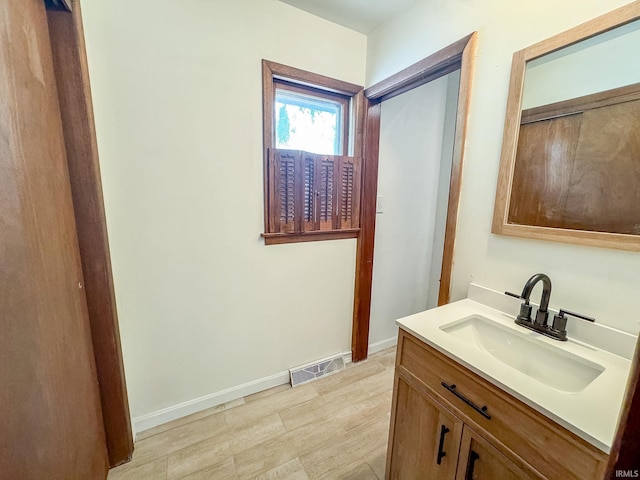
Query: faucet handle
560,321
516,295
525,308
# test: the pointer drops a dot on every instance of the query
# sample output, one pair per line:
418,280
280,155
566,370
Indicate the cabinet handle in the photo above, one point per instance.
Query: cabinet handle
473,456
441,453
481,410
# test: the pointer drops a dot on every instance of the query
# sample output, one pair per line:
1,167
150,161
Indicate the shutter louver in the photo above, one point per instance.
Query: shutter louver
287,174
283,170
311,193
309,220
326,197
349,192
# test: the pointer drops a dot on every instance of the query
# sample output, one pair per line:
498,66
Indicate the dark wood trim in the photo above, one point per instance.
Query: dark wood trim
625,451
359,112
359,107
445,70
268,138
426,70
572,106
302,77
72,77
459,55
364,251
59,5
314,236
306,89
275,73
467,67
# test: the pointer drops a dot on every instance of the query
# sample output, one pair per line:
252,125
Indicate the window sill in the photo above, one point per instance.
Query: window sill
280,238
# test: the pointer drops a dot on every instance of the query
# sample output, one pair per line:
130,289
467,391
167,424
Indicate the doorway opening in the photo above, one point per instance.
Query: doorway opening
457,57
417,131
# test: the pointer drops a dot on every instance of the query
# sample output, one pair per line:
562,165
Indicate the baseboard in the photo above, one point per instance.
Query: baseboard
382,345
374,348
150,420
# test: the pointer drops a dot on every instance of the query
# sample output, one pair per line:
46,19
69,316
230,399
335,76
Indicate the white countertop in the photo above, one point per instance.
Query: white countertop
591,414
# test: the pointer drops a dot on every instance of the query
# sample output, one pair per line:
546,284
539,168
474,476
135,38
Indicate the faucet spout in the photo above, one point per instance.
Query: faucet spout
543,313
558,329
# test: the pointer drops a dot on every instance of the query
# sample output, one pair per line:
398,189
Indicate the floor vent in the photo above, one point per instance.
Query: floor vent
311,371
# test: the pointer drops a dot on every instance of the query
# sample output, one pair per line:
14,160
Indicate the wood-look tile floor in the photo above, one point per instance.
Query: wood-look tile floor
332,428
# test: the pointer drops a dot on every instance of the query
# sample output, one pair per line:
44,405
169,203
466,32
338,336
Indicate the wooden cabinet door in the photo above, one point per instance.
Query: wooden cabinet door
50,422
479,460
425,437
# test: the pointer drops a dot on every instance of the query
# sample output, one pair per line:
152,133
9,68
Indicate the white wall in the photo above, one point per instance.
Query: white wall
598,282
412,130
591,66
204,306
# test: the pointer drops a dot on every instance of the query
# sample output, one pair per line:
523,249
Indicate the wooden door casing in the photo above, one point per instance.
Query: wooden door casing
459,55
72,78
51,418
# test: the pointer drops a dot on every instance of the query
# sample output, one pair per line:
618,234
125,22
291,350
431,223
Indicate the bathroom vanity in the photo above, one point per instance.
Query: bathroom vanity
478,397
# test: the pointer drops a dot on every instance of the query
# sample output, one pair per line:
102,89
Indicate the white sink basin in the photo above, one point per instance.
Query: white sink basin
526,353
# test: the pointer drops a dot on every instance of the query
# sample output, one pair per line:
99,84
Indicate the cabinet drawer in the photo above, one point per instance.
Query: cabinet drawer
549,448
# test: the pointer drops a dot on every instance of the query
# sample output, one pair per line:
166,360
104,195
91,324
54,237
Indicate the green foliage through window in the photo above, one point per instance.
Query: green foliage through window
282,126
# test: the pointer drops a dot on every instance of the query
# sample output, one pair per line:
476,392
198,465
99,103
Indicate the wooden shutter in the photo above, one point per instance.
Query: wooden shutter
310,193
282,188
327,189
310,212
349,198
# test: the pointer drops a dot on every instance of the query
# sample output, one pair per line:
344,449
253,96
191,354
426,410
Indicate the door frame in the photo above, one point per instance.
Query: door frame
66,36
625,450
457,56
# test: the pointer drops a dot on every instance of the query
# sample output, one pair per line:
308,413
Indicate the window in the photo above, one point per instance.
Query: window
312,184
311,120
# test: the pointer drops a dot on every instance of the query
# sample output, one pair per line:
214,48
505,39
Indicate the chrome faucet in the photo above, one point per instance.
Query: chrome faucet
558,329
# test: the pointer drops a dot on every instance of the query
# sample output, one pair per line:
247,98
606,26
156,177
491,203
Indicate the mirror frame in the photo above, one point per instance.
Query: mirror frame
601,24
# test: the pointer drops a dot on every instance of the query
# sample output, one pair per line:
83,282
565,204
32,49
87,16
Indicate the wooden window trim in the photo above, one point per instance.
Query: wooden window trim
281,238
282,76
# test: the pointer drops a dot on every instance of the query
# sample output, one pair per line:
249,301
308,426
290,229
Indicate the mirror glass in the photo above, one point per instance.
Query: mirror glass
570,169
604,62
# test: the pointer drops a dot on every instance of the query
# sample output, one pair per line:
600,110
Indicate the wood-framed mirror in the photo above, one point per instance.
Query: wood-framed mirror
570,163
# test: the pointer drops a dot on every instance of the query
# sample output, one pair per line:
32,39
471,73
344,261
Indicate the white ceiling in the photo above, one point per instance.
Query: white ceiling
360,15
